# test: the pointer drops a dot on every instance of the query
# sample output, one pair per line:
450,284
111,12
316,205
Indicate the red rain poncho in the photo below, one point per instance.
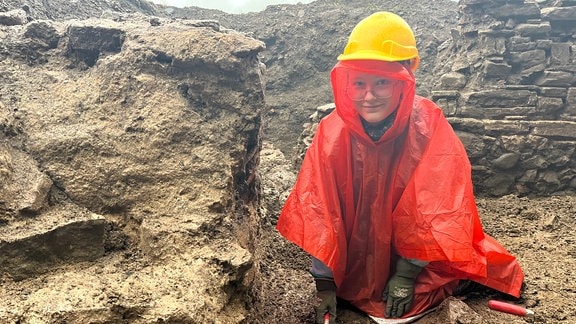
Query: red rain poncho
358,204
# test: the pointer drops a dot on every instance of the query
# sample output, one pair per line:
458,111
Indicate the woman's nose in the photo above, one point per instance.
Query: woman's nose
369,94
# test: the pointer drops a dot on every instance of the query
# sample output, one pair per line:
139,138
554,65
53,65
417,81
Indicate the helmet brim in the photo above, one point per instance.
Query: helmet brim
369,55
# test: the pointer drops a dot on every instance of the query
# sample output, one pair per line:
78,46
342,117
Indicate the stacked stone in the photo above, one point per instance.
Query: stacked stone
509,90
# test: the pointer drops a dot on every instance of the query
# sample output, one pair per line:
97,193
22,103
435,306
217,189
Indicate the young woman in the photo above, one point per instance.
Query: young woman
384,200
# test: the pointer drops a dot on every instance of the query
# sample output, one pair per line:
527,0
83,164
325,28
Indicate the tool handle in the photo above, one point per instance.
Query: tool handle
508,308
327,318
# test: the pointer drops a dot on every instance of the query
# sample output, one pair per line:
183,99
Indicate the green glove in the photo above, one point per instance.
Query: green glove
399,292
326,303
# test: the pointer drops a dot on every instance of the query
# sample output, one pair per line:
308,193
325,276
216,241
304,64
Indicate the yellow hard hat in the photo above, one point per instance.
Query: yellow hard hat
382,36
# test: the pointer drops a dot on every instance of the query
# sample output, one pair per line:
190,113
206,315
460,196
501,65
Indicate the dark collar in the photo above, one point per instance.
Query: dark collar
375,131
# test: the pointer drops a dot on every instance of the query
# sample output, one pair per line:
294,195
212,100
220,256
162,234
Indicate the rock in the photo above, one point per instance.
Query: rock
43,33
571,101
493,46
506,161
556,92
455,311
565,130
24,189
453,80
535,162
13,17
528,59
519,10
550,105
529,176
504,127
496,70
555,79
560,54
66,235
559,13
502,98
137,141
521,44
474,144
540,30
86,42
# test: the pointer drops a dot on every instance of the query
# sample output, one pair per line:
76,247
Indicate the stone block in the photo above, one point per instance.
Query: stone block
492,45
534,31
525,144
500,127
537,162
555,79
571,102
525,10
560,54
462,64
448,105
528,59
544,44
499,184
528,75
502,98
555,129
467,124
453,80
550,105
520,44
548,181
556,92
437,94
471,2
529,176
63,235
496,70
474,144
529,87
327,108
559,14
512,113
454,310
501,33
506,161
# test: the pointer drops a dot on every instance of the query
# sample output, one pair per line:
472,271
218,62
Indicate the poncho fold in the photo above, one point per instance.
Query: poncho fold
358,205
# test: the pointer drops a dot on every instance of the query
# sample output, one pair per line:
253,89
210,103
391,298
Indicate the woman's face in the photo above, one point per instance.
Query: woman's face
374,97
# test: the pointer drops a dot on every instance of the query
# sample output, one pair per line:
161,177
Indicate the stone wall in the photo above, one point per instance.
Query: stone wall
507,83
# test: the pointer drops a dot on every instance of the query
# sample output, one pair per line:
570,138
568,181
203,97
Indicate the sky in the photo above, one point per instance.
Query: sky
230,6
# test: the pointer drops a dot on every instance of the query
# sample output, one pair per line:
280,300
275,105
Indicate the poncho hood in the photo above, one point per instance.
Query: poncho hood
390,70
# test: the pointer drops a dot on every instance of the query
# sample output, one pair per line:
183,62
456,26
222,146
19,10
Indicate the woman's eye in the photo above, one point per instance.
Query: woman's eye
383,83
359,84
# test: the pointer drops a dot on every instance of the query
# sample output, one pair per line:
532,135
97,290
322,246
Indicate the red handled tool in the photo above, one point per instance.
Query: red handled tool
327,318
509,308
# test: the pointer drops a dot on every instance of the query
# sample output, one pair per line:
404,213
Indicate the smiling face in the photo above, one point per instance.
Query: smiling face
374,97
